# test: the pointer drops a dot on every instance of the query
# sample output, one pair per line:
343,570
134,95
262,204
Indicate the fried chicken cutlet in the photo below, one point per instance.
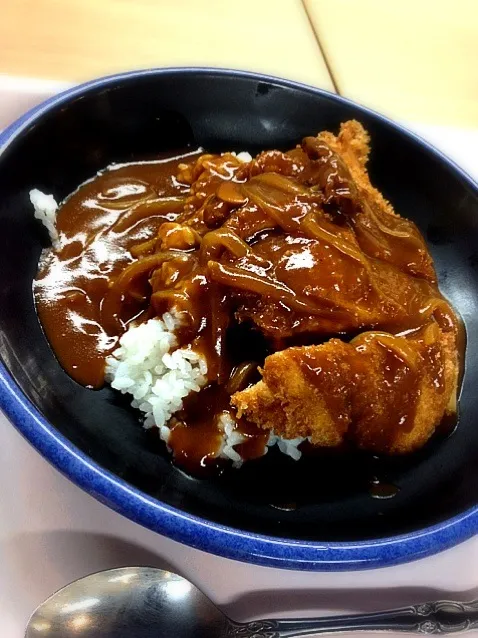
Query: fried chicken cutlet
384,393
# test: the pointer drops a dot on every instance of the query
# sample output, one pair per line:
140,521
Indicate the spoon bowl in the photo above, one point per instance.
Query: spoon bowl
130,602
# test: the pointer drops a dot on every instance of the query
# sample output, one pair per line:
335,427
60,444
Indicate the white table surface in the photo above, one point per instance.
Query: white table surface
51,532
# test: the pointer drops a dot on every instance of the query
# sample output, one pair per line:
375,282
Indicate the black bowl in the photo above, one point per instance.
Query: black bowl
315,514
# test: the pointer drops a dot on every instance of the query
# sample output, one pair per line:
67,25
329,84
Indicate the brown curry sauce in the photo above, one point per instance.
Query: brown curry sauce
259,256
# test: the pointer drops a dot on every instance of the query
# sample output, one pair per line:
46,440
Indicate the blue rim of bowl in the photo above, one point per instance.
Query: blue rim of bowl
169,521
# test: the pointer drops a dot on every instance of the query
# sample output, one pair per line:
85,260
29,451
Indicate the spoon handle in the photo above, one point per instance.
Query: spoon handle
440,618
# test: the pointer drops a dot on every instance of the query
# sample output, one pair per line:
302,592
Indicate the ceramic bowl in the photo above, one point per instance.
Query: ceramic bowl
316,514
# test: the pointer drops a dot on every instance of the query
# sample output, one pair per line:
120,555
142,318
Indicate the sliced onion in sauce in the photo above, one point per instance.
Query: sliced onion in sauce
241,376
315,230
266,287
223,238
123,285
398,344
149,208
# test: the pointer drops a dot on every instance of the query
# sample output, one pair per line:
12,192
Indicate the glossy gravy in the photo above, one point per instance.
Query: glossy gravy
272,275
98,225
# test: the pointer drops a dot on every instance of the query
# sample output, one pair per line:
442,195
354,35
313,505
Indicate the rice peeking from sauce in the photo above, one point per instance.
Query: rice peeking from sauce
45,210
149,366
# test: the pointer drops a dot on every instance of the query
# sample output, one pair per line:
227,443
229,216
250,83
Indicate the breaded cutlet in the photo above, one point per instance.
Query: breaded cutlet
352,391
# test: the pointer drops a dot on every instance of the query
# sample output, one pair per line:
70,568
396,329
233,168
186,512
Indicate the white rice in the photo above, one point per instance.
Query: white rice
290,447
45,210
231,438
244,157
149,366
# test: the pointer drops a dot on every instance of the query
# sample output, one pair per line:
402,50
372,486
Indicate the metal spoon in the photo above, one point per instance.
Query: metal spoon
140,602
